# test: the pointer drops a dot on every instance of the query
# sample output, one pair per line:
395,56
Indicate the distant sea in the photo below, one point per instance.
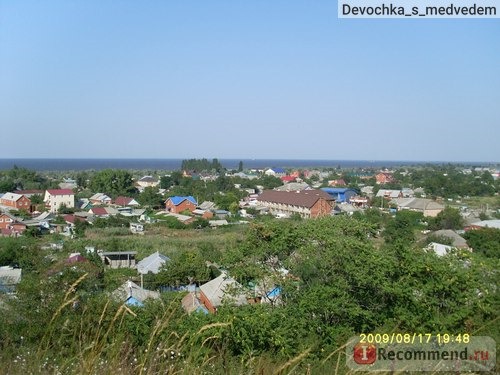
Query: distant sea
174,164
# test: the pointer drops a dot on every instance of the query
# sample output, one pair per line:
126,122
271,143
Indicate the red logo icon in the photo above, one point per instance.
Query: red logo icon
364,353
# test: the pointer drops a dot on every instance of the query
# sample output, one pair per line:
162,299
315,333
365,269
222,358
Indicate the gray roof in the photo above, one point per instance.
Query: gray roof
224,288
495,223
12,196
388,193
457,240
9,277
418,203
44,216
207,205
293,186
152,263
180,217
131,289
148,179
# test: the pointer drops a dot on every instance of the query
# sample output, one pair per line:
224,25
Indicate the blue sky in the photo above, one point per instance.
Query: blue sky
244,79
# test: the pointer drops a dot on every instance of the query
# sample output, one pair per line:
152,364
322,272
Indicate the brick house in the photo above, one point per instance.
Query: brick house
428,207
10,226
179,204
307,203
126,202
6,220
55,198
384,178
16,201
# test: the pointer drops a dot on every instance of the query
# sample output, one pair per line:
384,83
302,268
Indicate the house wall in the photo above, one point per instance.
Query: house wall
204,299
321,208
53,202
281,208
207,215
185,205
432,213
22,203
120,262
19,227
5,221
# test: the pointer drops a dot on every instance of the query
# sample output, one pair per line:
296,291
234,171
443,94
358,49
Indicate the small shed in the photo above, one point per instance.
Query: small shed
9,278
118,259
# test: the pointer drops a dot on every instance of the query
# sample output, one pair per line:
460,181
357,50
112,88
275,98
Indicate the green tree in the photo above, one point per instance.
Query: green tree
80,228
268,182
485,241
36,199
226,201
82,179
151,197
184,268
113,182
449,218
7,185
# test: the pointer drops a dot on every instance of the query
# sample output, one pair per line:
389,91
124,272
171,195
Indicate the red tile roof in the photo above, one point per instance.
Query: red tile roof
29,192
60,192
73,218
99,211
123,201
288,178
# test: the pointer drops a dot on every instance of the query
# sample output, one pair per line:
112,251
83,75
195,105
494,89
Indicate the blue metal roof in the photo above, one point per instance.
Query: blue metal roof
177,200
337,190
131,301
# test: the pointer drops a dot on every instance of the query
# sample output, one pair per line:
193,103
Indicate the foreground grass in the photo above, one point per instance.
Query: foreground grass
103,337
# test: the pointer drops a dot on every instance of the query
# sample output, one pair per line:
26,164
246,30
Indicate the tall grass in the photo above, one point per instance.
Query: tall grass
98,341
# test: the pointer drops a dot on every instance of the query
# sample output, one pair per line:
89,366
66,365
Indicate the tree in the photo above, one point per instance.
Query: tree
186,267
114,182
36,199
166,182
63,209
82,179
240,166
269,182
80,227
485,241
225,200
7,185
400,230
151,197
449,218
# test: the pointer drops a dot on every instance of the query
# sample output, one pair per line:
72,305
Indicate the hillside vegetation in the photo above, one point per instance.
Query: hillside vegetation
345,276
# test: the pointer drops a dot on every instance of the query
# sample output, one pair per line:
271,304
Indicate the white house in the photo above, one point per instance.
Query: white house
55,198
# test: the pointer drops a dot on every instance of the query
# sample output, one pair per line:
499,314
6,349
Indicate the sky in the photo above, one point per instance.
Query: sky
282,79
